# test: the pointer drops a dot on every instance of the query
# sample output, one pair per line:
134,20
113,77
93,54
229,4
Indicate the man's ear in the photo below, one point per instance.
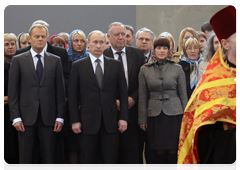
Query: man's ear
225,44
29,39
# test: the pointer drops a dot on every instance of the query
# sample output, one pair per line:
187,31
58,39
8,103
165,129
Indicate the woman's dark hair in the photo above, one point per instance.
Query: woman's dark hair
161,41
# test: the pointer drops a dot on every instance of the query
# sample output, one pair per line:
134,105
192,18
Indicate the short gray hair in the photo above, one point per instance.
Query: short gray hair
115,23
42,23
37,25
146,30
96,31
129,27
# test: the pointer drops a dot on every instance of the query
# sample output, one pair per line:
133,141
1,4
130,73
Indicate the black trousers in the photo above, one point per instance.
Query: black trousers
102,146
46,138
131,145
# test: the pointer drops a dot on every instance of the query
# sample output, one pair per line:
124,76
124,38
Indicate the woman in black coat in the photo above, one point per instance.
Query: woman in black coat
190,60
10,133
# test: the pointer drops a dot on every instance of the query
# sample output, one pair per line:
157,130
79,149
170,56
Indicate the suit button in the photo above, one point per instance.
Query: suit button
161,78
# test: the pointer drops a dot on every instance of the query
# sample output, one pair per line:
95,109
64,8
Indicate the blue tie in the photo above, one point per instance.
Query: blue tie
39,68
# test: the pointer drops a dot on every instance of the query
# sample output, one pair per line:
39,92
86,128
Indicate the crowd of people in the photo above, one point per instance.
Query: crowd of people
96,99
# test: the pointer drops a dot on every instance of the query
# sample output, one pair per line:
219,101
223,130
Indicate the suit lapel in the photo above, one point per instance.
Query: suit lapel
30,64
109,52
107,68
50,48
89,70
47,65
129,56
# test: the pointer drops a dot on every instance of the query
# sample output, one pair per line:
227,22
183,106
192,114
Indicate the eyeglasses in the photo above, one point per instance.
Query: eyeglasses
142,39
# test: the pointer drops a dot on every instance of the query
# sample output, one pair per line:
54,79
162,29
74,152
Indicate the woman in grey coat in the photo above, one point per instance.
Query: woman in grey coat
162,100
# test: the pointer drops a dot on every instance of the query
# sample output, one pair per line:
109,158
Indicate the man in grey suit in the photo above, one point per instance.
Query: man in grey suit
36,97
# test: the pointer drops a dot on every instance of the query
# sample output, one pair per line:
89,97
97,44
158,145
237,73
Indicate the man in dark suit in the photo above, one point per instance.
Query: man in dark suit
98,79
62,53
36,97
132,59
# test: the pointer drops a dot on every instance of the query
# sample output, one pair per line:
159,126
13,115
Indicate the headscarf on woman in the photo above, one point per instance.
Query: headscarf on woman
72,56
194,64
65,44
153,59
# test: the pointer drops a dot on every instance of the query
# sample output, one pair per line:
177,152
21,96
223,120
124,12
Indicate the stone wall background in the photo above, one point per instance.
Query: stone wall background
173,18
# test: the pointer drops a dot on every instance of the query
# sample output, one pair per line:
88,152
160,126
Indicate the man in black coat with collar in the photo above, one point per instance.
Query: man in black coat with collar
132,59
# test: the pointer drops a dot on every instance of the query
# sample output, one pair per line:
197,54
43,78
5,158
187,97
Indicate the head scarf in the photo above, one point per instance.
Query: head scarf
72,56
193,68
65,44
153,59
18,39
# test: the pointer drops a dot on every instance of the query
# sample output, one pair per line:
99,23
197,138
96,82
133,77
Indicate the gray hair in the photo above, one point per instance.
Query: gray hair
42,23
146,30
129,27
96,31
37,25
115,23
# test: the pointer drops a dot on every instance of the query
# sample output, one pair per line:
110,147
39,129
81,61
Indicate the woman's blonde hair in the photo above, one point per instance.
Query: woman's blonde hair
11,37
168,36
190,41
183,32
22,37
82,34
180,44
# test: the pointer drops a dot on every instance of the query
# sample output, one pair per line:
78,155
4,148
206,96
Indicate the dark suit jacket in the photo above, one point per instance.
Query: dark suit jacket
135,59
61,52
97,103
26,94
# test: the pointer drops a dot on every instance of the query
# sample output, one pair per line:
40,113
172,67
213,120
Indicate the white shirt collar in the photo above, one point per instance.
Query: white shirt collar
45,48
147,55
34,53
93,58
123,50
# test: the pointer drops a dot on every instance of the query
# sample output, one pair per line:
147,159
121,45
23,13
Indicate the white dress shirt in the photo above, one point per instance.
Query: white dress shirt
35,60
124,59
147,56
94,63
